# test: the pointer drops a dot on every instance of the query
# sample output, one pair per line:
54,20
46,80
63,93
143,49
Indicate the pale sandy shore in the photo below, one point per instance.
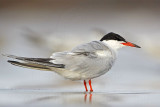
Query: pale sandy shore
54,98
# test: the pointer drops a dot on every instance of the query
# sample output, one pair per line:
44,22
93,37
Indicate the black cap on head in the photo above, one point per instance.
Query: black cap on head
113,36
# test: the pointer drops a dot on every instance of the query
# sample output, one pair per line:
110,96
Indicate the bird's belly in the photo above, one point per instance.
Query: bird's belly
86,71
72,75
82,74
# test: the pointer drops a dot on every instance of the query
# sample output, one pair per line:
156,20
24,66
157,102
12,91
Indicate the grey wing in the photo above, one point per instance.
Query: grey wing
34,63
86,61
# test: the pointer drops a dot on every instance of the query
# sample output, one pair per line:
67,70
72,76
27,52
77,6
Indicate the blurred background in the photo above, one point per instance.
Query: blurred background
37,28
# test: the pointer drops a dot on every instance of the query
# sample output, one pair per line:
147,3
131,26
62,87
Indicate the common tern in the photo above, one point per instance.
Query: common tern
84,62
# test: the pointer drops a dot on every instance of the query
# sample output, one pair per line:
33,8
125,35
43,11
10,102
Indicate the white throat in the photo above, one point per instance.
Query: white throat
113,44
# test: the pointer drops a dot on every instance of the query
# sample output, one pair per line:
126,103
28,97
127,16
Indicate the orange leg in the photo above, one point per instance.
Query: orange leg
91,90
85,85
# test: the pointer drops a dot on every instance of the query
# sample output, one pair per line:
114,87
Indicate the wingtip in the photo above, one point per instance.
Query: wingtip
10,61
16,63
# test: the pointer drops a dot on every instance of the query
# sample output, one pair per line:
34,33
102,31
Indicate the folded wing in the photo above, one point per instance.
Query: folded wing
36,63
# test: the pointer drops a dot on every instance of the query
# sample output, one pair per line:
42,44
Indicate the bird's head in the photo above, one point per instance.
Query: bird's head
115,41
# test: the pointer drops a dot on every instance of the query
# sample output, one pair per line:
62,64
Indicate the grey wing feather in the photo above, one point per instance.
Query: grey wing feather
80,53
29,65
40,61
84,60
90,47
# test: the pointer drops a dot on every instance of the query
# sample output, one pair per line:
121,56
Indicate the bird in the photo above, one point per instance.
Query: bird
84,62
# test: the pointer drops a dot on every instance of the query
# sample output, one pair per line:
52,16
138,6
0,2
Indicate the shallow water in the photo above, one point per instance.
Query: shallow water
41,98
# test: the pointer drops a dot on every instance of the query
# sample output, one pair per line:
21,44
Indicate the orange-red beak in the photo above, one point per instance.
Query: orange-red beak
131,44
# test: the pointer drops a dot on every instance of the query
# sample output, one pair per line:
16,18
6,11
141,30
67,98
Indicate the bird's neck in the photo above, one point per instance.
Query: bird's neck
112,44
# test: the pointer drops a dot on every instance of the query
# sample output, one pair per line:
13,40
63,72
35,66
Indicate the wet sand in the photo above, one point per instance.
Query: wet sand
41,98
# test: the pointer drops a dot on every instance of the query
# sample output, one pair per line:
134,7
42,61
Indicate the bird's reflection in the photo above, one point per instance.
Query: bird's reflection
90,97
80,98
